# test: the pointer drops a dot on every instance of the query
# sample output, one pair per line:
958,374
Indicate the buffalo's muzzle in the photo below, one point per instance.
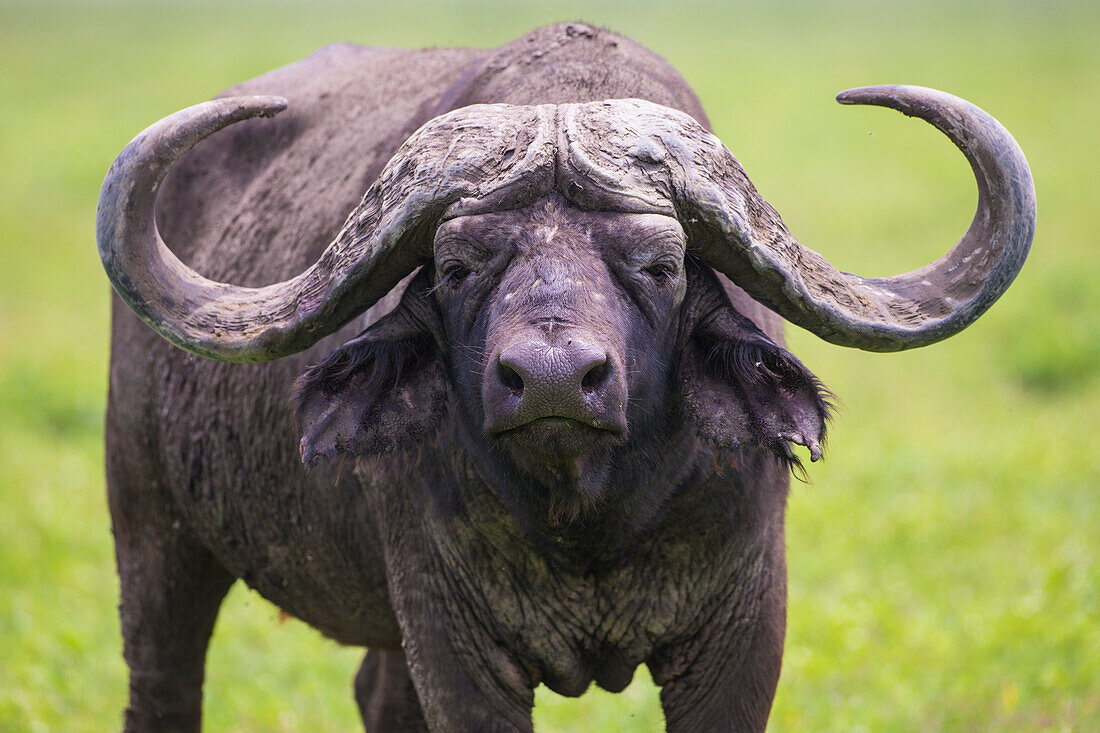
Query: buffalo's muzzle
537,383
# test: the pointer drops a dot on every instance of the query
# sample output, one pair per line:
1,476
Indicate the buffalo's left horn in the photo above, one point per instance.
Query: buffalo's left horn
468,153
639,154
880,314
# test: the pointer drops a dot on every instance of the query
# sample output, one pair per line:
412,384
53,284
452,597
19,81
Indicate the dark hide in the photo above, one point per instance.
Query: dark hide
383,390
471,566
741,389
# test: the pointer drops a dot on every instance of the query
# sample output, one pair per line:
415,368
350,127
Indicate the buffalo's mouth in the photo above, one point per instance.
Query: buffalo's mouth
557,436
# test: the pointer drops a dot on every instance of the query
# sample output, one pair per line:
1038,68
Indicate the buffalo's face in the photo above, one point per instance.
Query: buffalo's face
563,324
567,344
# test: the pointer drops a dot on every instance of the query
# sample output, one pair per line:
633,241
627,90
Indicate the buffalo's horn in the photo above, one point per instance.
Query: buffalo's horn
467,154
636,154
880,314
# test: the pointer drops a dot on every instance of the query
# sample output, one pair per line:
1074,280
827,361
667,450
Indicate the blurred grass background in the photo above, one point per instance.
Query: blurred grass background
943,561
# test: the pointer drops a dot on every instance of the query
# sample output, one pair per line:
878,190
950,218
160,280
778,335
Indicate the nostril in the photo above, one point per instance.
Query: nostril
596,376
510,378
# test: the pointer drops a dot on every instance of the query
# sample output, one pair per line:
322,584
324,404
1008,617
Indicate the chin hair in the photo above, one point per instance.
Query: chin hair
575,487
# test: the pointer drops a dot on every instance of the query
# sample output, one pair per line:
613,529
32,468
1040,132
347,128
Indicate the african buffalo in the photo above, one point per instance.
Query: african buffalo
524,415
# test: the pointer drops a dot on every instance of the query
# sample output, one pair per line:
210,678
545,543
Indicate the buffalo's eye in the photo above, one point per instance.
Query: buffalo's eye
662,269
453,271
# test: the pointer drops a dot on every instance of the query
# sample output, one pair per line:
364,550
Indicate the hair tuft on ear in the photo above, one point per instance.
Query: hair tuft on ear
742,390
381,363
759,362
382,391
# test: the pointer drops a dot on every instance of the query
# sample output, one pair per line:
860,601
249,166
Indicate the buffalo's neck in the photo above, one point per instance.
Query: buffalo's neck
473,484
593,599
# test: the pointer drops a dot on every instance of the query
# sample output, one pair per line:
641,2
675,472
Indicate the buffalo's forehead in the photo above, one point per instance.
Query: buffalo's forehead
551,225
614,155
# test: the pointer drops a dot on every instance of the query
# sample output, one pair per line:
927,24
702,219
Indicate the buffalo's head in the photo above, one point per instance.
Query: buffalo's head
568,339
566,309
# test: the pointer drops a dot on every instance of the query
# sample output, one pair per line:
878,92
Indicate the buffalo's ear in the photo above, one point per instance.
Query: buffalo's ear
383,390
741,389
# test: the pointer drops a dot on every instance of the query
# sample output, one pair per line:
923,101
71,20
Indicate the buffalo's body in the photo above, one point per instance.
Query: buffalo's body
207,485
558,450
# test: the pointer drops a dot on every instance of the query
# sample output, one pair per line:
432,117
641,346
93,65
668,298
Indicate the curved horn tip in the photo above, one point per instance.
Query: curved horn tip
910,99
885,95
855,95
268,105
224,111
230,110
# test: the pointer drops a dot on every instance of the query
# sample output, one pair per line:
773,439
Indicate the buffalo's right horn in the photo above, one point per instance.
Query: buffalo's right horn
916,308
645,155
468,154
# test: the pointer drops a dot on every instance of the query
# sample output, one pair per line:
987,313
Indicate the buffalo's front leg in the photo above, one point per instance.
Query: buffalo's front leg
171,588
385,694
464,679
724,679
475,689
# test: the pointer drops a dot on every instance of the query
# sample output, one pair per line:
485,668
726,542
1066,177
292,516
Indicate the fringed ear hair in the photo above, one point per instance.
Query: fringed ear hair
381,391
742,390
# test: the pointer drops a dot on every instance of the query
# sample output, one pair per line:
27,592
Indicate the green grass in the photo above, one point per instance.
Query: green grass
943,563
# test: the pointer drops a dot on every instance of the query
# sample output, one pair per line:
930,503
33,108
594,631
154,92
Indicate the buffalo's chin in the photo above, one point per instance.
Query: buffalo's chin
566,461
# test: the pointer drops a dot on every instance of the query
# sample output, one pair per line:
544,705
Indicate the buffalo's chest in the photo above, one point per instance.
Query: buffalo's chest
568,627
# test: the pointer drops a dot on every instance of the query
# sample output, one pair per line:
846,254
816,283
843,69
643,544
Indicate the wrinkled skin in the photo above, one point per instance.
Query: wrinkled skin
552,455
